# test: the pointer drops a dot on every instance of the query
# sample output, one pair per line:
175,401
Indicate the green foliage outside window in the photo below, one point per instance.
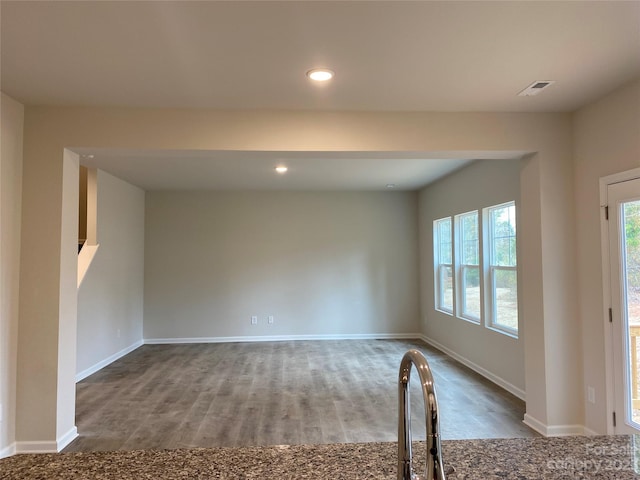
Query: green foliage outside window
504,236
632,264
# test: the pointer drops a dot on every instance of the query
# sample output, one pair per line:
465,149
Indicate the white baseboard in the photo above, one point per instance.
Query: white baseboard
590,433
518,392
535,424
37,447
67,438
103,363
47,446
8,451
554,430
564,430
283,338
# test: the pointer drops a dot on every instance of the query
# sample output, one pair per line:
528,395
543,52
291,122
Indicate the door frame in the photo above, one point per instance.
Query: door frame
633,174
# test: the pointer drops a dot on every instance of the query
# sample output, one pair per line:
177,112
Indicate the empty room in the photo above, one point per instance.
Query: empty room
296,221
331,274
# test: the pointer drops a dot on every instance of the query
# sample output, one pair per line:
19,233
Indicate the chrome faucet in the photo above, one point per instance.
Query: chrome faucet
434,468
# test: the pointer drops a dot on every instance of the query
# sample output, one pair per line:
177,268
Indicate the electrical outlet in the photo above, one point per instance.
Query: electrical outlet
591,395
270,320
254,320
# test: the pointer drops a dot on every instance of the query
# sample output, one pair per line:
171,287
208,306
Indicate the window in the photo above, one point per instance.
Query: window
468,266
502,271
476,269
443,261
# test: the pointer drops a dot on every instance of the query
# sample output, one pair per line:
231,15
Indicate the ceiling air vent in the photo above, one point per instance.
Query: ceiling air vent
535,88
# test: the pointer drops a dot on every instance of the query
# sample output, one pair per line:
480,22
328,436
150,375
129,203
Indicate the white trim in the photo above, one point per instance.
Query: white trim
8,451
618,178
589,433
553,430
564,430
535,424
284,338
606,289
606,303
47,446
509,387
37,447
67,438
103,363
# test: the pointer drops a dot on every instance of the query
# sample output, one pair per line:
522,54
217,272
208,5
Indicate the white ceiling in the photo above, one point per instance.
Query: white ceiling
387,55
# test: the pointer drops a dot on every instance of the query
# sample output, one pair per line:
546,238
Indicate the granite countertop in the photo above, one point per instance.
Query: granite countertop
603,457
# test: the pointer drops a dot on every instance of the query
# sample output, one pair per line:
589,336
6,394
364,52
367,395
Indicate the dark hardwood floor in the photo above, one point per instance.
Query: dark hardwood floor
272,393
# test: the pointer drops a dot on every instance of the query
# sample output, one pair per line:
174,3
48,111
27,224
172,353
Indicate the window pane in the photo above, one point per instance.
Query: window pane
630,269
443,253
470,253
631,215
469,238
502,252
503,262
471,292
505,295
444,239
503,236
446,285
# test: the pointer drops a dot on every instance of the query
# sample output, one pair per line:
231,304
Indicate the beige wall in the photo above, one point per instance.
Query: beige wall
10,204
548,267
606,141
333,263
481,184
110,305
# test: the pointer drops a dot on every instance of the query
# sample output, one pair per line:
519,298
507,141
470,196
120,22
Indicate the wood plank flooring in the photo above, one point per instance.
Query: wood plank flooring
272,393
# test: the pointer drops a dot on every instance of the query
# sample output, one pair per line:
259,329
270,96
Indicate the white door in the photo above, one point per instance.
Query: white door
624,256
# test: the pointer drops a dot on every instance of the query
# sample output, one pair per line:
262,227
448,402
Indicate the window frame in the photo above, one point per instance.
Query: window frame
491,269
440,267
462,266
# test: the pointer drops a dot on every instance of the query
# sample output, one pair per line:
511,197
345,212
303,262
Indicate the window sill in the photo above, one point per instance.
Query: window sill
474,321
508,333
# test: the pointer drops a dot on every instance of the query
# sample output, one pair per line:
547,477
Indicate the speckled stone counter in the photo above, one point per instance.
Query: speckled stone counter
615,458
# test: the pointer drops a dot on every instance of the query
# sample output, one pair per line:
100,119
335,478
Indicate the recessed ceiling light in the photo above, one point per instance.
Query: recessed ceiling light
320,74
281,169
88,155
391,185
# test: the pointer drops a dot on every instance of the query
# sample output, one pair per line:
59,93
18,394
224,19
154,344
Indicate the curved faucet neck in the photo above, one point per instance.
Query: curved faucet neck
434,468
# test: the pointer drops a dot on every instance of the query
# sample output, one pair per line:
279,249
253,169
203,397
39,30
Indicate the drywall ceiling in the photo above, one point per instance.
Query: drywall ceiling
319,171
387,55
